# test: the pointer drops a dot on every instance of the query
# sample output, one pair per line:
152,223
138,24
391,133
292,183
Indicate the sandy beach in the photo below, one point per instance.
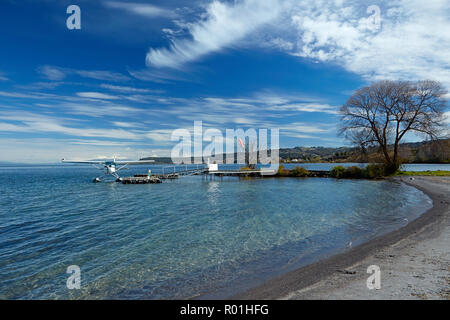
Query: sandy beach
414,260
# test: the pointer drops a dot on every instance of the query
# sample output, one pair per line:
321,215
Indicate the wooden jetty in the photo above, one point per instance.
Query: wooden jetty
264,173
166,176
140,180
245,173
159,176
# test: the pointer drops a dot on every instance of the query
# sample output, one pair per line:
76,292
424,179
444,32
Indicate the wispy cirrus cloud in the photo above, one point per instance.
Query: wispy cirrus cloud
3,77
29,122
58,73
51,126
160,76
100,110
81,111
102,75
40,85
409,43
52,73
37,123
126,89
47,150
96,95
31,95
307,107
142,9
221,26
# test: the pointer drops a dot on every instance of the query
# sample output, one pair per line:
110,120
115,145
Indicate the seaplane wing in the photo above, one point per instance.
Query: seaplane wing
132,163
84,161
115,162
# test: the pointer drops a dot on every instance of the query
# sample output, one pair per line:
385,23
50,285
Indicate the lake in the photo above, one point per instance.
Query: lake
186,238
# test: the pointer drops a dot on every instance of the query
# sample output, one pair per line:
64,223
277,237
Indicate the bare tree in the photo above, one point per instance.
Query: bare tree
384,112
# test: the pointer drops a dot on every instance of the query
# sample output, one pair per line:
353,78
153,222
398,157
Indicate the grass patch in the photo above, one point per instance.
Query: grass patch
424,173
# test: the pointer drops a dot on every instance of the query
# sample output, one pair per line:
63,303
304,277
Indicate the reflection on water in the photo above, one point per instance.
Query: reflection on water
184,238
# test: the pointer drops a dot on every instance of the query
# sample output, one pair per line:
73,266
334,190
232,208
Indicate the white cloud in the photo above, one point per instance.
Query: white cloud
3,77
57,73
100,143
128,89
139,126
160,135
32,95
307,107
102,75
106,109
96,95
52,73
125,124
411,44
40,85
158,76
37,126
222,25
143,9
447,117
30,122
44,150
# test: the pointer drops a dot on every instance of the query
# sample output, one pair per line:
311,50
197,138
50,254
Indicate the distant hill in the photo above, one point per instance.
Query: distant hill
316,154
159,160
426,152
415,152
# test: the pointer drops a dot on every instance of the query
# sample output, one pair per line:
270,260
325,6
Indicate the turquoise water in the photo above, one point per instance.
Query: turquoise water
185,238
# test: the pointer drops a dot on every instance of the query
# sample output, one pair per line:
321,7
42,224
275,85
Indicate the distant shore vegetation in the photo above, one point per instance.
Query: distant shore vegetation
371,171
437,151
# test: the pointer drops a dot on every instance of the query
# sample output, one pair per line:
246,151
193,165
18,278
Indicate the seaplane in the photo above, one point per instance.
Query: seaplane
111,167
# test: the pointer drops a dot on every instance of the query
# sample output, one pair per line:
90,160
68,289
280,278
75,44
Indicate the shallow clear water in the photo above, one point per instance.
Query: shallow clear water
190,237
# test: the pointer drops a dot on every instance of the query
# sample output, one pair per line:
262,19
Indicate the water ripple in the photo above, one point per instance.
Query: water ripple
182,238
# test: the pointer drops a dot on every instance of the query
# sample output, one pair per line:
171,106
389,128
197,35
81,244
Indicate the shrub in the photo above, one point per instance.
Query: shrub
353,172
373,171
337,172
282,172
299,172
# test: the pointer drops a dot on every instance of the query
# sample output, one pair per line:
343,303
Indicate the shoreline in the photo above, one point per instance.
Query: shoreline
343,276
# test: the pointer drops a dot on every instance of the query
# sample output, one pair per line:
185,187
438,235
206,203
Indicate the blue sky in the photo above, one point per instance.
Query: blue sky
137,70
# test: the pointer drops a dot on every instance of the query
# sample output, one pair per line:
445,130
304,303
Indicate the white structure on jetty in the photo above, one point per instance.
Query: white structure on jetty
213,166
